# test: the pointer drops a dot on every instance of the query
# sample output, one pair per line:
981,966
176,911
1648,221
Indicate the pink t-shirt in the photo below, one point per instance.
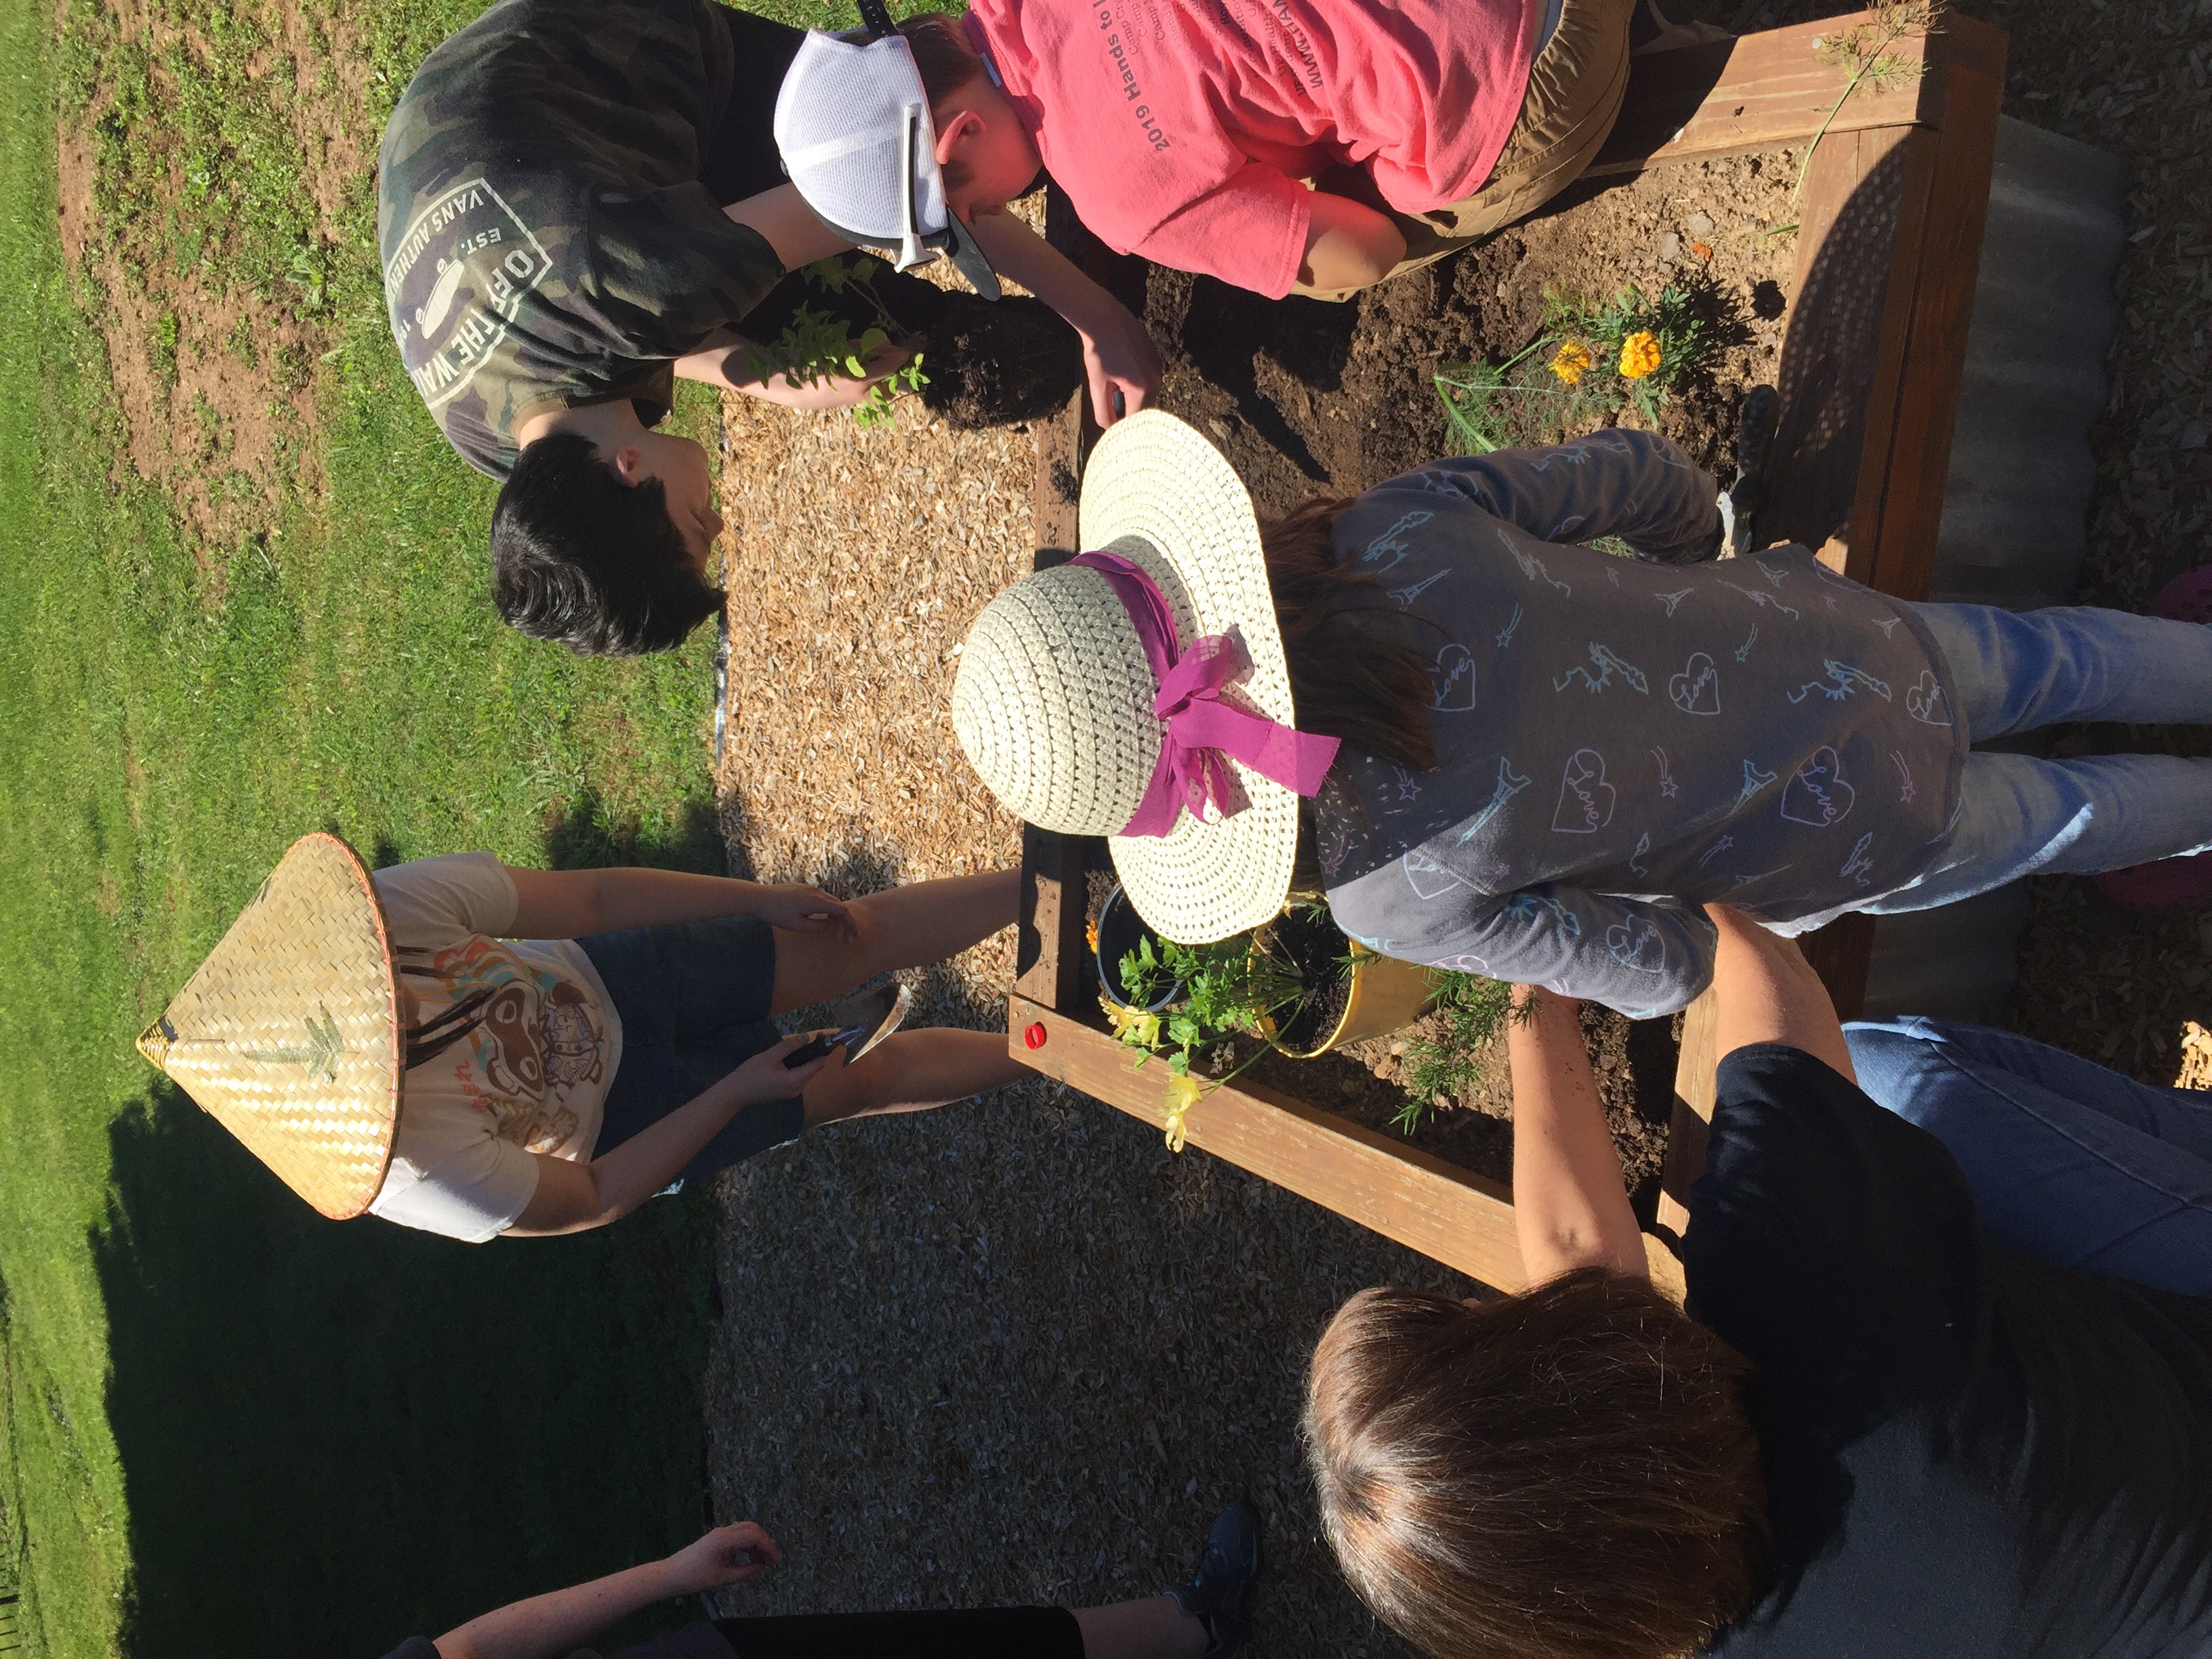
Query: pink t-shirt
1179,129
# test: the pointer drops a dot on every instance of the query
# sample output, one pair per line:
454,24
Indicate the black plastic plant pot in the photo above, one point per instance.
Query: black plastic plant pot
1121,930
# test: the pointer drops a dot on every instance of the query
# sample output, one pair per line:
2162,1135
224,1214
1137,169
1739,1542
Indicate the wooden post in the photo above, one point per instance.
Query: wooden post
1048,942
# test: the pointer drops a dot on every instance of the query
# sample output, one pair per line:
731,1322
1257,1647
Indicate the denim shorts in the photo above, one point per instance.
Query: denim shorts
694,999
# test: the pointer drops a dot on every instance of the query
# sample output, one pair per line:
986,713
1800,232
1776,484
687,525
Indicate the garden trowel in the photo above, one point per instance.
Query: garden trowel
861,1021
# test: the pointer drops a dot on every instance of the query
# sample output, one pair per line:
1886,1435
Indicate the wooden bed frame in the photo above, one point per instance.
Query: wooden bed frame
1888,251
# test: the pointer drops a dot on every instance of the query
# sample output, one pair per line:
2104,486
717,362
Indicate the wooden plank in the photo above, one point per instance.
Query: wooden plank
1452,1215
1048,943
1900,518
1058,488
1837,364
1889,250
1753,92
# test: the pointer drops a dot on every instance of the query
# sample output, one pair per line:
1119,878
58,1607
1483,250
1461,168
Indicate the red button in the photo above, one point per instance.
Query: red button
1034,1036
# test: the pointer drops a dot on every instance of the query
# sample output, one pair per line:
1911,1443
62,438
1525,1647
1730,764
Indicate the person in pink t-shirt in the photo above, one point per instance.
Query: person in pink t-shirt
1286,146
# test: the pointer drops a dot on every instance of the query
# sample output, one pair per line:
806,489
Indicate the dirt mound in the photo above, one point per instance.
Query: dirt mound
990,364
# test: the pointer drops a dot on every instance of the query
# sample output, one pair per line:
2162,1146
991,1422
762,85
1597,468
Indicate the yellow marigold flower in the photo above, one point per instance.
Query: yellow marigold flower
1090,936
1184,1091
1639,354
1571,361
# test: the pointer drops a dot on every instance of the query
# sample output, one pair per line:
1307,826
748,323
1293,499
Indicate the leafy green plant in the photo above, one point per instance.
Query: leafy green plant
1483,411
1441,1066
1243,986
817,346
1597,357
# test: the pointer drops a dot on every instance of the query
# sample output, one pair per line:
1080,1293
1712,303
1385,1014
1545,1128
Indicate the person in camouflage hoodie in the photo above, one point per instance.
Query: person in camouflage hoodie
578,201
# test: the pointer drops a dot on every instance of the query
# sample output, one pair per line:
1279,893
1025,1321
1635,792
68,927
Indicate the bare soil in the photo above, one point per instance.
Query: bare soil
215,380
1308,397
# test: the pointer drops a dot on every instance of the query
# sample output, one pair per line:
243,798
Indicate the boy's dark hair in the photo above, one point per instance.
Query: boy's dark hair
1566,1475
947,63
579,557
942,53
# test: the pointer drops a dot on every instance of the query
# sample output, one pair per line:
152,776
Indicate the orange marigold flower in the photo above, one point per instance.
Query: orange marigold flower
1571,361
1639,354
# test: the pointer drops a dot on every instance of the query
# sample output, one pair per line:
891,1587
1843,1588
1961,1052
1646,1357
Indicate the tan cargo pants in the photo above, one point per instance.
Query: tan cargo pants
1575,89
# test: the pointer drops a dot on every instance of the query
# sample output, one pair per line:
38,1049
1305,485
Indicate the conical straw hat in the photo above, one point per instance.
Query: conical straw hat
1053,700
289,1033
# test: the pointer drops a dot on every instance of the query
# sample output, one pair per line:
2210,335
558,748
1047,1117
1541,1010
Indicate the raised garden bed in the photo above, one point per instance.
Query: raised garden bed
1309,399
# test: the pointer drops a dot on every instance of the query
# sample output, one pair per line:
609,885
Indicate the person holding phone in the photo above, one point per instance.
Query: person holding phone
1193,1620
1873,1429
482,1049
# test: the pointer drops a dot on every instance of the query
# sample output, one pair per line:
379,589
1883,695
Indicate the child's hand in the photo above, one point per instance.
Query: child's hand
728,1555
765,1077
801,909
1118,356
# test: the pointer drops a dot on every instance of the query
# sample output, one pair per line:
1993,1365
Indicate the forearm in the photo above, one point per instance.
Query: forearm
721,359
1570,1208
1020,254
645,1163
1768,992
790,227
1635,485
641,898
547,1626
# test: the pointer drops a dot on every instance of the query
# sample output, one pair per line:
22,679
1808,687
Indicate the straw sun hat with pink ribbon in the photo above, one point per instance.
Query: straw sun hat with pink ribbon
1139,691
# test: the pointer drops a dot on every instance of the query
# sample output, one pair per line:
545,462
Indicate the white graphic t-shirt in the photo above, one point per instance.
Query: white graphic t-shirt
530,1078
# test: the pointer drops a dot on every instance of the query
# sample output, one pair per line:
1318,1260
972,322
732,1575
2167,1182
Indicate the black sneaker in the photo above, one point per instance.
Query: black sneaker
1225,1572
1754,448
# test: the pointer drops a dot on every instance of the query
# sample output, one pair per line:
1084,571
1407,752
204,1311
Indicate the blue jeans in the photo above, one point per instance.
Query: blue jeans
2068,1161
2019,815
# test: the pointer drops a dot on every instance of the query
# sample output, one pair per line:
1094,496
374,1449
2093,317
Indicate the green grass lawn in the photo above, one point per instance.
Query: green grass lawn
231,1426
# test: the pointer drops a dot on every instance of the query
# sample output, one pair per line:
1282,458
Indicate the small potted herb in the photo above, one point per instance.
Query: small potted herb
1297,986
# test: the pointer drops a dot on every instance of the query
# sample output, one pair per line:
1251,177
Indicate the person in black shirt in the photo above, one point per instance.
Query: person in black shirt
1873,1430
1201,1619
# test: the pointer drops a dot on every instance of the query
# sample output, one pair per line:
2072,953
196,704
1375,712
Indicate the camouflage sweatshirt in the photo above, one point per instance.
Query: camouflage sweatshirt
547,237
1619,741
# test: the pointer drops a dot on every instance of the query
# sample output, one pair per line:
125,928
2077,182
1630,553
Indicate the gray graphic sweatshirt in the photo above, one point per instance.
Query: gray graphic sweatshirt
1620,741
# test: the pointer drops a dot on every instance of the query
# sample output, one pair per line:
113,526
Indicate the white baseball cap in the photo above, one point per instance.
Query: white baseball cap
852,123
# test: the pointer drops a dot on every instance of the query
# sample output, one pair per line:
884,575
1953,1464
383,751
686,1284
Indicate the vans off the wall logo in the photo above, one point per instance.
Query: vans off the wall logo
455,285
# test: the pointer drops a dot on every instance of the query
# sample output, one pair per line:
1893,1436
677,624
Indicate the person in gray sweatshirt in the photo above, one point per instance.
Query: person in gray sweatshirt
1621,742
1548,759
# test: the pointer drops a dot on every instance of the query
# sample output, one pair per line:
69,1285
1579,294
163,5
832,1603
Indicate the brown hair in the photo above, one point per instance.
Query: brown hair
1373,693
1565,1474
947,63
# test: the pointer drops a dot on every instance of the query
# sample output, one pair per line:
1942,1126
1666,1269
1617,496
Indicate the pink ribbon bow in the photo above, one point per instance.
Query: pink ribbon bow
1201,729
